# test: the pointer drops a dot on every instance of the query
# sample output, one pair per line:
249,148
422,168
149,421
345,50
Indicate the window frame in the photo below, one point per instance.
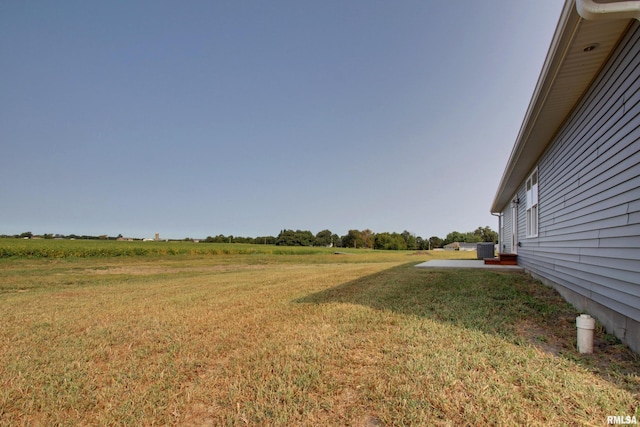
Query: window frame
532,200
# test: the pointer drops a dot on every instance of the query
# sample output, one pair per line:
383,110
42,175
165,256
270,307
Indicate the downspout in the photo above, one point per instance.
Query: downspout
590,10
499,215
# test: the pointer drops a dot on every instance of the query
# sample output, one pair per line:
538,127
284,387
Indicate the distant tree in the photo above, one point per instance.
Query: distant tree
265,240
390,241
420,243
286,238
435,242
486,234
353,239
454,236
221,238
26,234
481,234
472,237
323,238
367,238
409,239
382,240
240,239
337,241
295,238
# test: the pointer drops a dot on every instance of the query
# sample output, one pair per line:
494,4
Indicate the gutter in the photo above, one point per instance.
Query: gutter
590,10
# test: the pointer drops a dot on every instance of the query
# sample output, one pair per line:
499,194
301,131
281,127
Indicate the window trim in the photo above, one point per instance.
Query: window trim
532,200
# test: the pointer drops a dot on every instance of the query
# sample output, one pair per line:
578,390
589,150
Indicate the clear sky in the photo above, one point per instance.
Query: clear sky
246,117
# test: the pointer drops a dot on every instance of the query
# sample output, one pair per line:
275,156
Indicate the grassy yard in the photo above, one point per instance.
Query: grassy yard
295,338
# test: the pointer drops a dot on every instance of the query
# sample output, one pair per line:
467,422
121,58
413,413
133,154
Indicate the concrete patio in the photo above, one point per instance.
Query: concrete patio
467,263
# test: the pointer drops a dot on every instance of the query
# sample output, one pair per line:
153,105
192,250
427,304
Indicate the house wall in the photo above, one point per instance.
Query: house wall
505,237
588,245
506,241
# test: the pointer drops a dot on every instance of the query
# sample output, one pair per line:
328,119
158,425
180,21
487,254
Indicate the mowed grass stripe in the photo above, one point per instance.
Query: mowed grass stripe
295,340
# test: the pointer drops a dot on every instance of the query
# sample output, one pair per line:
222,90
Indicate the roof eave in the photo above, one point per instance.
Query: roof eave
559,88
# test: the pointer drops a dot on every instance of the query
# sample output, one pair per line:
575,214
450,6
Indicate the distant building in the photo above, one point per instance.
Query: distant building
461,246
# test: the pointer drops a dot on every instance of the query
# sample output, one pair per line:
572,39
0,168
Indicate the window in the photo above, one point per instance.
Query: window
532,204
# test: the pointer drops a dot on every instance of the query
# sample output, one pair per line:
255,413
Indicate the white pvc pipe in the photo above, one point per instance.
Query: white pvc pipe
589,9
585,324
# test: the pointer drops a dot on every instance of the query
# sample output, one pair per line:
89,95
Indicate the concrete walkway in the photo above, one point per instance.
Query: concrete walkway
466,263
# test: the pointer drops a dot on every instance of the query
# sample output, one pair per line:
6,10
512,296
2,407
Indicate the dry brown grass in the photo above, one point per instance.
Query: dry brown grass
322,339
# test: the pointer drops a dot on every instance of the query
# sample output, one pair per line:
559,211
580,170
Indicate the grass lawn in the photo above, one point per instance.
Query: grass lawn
296,338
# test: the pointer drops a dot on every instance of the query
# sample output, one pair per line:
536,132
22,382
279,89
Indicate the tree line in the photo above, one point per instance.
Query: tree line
366,239
359,239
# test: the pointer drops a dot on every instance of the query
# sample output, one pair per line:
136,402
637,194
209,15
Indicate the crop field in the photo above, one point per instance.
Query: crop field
206,335
53,248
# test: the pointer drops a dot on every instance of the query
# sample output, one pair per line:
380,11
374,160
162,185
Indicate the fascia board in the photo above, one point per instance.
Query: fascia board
514,173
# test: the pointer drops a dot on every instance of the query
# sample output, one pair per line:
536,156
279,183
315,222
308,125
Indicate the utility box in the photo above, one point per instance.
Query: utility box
486,250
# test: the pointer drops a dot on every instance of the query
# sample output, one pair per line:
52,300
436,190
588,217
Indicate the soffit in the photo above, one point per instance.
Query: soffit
567,74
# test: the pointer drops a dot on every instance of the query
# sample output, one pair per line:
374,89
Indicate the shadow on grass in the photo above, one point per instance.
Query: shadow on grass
511,305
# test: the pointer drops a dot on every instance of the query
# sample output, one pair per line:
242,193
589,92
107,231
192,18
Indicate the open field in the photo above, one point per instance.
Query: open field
295,338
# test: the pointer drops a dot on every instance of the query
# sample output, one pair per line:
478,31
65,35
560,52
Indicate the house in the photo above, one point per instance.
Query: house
569,198
460,246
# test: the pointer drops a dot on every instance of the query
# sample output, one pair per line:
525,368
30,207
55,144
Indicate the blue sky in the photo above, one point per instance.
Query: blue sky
198,118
